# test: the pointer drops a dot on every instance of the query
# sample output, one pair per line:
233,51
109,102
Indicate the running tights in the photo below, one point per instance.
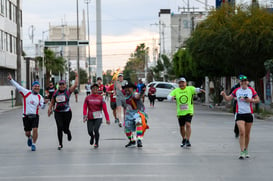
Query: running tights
63,120
93,126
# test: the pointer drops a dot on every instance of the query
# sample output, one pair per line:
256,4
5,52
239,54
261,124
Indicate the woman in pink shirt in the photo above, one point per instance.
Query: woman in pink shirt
92,113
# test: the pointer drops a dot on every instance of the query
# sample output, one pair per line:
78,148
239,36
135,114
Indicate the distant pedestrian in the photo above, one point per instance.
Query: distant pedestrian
141,87
102,89
152,95
50,90
246,96
62,110
88,88
185,109
93,106
32,100
113,103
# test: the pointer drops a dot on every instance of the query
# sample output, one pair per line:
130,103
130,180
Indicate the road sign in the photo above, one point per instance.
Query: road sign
66,43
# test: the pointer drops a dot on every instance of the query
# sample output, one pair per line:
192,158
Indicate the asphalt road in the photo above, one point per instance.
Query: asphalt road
213,156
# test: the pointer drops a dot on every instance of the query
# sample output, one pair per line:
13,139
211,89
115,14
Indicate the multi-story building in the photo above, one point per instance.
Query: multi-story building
67,33
175,29
8,54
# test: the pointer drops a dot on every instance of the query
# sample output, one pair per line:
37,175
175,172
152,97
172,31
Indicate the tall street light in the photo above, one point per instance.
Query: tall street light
78,49
87,7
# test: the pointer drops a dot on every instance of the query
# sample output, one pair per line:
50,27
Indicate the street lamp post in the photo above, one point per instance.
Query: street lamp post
87,7
78,49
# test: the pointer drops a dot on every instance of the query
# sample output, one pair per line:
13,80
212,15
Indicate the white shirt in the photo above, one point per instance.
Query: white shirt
243,107
31,102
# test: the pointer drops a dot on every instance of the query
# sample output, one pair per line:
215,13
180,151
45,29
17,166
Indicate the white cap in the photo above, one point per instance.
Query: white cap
182,79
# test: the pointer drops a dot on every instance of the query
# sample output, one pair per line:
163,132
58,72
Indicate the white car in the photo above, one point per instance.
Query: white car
163,89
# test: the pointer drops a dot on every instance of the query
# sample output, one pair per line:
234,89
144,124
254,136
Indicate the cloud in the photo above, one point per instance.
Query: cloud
116,50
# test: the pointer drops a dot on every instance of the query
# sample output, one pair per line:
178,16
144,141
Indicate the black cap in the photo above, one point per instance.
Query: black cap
99,78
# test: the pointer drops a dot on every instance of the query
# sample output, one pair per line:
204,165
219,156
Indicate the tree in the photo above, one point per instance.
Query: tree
107,76
53,64
164,67
135,67
229,43
83,76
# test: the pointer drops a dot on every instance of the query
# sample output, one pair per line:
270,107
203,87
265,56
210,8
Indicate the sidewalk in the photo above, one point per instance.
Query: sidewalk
7,106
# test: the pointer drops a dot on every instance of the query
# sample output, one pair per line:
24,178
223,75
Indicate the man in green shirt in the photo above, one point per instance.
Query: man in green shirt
184,102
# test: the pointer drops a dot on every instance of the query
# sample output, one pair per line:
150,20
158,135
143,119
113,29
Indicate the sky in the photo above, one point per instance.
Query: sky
125,23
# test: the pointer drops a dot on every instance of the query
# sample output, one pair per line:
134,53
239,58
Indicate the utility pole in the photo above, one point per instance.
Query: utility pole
87,7
99,42
78,48
18,50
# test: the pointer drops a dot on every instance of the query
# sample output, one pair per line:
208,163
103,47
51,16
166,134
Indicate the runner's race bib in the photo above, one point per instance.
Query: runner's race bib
97,114
184,107
60,98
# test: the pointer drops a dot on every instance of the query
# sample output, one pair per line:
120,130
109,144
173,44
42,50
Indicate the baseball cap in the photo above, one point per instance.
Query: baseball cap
243,77
120,74
182,79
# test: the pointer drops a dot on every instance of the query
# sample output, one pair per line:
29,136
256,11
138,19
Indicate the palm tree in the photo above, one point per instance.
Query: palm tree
53,64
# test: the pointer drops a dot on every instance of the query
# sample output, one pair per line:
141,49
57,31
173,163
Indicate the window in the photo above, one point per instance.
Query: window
1,40
4,75
2,7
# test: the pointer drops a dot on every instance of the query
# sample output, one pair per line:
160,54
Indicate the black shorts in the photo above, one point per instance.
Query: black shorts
113,105
30,122
248,118
183,119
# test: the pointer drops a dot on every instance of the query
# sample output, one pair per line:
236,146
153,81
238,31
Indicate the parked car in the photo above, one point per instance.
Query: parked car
163,89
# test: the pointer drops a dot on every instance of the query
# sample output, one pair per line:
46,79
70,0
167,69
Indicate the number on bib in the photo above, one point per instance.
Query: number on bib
60,98
184,107
97,114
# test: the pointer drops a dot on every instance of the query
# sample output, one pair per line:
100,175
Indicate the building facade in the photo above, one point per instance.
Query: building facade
8,52
67,33
175,29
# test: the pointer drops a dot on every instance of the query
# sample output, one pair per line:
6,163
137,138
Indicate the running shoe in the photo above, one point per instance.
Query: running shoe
183,143
116,120
130,144
242,155
246,153
139,143
60,147
96,145
69,136
29,141
91,140
33,148
188,144
120,124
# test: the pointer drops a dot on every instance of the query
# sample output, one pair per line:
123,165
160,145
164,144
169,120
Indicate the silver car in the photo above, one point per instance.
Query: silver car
163,89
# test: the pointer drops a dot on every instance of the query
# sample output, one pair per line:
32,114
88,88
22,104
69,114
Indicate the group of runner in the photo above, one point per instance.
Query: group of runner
133,116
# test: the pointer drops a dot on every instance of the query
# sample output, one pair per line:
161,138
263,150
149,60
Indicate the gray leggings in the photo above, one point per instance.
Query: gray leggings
93,126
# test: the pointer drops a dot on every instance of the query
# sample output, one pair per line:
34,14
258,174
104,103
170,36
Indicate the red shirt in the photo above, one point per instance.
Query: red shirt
95,103
101,89
152,90
112,98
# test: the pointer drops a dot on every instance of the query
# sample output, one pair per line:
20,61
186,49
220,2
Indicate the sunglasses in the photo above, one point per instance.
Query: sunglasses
61,83
243,78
